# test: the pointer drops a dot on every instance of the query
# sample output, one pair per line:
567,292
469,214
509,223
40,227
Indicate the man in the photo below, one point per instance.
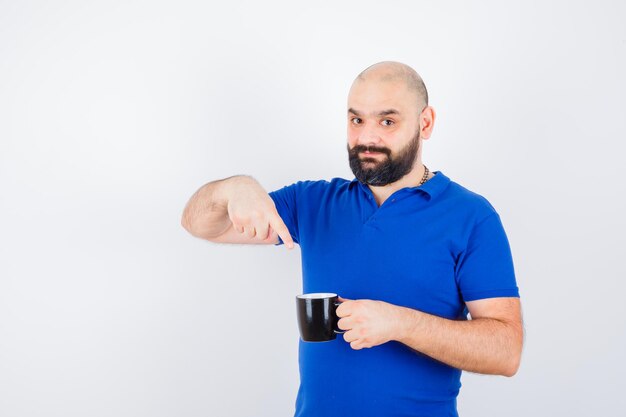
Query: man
410,251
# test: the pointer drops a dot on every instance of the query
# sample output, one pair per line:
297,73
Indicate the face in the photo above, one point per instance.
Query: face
383,131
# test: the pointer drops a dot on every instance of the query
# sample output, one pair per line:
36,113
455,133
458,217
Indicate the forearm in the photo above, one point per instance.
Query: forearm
206,212
483,345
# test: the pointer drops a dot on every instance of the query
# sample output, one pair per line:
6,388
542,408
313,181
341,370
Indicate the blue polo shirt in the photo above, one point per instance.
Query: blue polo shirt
429,248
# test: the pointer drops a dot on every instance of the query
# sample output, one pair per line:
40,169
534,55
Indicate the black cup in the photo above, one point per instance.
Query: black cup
317,316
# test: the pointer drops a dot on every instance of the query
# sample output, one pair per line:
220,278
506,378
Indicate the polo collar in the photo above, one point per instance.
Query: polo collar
432,188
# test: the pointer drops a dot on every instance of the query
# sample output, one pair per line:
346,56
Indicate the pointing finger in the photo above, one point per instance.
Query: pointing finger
279,226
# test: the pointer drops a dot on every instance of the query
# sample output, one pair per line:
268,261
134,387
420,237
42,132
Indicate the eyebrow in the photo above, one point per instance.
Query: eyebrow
380,113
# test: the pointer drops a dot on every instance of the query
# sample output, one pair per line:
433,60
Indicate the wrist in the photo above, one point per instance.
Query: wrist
232,186
408,324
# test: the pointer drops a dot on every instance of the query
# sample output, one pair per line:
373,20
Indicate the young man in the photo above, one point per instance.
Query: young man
411,252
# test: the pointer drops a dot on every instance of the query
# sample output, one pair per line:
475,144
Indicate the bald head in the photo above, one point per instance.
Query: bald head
392,71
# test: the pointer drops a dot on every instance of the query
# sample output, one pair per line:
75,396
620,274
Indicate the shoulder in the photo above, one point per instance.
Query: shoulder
305,193
317,187
474,202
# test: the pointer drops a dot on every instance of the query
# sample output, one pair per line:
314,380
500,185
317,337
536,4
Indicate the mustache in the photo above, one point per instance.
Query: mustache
362,148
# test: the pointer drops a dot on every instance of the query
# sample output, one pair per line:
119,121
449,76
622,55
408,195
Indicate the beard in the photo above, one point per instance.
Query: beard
386,171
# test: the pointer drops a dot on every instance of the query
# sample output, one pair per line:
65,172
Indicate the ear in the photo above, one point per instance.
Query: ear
427,122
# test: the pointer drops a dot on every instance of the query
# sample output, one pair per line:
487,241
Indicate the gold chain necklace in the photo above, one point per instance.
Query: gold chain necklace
425,177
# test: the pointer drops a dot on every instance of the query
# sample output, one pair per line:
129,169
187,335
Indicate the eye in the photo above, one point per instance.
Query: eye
355,118
388,120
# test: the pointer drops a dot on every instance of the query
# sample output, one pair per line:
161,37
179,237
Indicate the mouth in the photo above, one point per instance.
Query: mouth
369,153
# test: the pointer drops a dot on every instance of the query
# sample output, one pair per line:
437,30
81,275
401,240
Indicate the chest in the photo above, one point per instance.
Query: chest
393,253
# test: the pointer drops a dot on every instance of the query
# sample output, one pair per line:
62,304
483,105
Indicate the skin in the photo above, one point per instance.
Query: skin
239,210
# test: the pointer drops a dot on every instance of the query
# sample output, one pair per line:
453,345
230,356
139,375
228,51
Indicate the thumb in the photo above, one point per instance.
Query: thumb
340,298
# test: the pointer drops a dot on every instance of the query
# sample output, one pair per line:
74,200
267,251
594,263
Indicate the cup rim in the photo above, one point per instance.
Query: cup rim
316,295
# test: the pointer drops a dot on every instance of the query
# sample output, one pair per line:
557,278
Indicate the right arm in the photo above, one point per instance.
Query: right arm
235,210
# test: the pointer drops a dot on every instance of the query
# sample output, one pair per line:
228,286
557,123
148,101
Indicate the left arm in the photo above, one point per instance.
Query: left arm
489,343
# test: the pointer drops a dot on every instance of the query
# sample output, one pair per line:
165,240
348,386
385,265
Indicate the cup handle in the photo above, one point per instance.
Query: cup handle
337,331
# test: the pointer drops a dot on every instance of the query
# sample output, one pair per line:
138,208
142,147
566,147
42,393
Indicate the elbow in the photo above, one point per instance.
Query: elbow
511,368
194,229
514,360
186,223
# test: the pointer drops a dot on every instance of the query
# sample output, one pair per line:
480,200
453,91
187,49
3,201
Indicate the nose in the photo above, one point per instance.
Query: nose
369,135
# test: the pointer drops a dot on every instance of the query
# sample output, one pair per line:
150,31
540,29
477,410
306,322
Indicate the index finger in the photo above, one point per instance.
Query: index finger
279,226
342,310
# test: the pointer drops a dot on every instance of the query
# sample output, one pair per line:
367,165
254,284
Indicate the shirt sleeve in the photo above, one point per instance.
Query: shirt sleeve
485,269
285,202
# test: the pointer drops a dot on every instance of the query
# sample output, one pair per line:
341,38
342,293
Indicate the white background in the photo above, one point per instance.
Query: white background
113,113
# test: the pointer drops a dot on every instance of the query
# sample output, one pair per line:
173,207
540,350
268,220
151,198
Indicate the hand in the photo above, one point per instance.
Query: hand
367,322
253,213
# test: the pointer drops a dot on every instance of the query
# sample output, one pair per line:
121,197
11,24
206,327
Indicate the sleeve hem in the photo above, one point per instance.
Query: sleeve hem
503,292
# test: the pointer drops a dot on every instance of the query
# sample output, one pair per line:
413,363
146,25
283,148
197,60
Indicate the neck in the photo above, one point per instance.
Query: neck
412,179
